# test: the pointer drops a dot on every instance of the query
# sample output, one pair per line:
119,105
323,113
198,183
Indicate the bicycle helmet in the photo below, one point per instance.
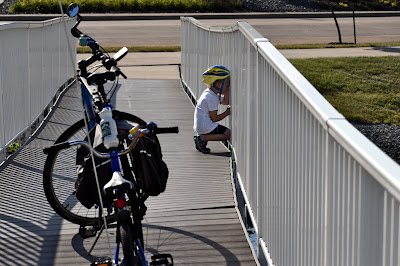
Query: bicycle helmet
215,73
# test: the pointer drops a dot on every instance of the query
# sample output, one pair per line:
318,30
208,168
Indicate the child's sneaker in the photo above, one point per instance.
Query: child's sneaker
195,143
201,145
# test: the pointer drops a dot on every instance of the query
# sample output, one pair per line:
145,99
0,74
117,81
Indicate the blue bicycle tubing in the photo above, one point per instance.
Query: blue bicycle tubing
141,252
115,165
87,102
116,253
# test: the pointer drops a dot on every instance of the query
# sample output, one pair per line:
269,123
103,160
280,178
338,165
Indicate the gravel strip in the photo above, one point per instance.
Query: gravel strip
5,6
248,6
279,6
386,137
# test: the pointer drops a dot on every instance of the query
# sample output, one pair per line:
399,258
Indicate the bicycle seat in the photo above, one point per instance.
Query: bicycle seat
117,181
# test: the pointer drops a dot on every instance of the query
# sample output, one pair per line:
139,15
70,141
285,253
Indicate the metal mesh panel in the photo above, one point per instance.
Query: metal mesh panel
33,67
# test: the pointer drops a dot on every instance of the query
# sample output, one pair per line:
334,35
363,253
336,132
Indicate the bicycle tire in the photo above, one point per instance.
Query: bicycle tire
137,231
125,226
59,177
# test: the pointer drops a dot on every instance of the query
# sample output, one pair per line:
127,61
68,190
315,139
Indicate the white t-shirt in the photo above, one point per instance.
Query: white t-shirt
207,102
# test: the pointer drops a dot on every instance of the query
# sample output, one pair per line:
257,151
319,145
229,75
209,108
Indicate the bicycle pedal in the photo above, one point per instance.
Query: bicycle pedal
87,232
162,259
106,261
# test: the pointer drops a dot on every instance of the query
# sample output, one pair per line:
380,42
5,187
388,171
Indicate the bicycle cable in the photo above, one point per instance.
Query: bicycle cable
98,66
86,130
113,88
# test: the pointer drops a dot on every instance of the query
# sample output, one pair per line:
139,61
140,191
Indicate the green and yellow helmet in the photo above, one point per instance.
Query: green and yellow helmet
215,73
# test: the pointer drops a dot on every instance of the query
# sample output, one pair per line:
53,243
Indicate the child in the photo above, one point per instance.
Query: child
205,114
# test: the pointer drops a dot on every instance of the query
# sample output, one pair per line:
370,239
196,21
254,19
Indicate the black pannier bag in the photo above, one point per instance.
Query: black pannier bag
85,185
149,168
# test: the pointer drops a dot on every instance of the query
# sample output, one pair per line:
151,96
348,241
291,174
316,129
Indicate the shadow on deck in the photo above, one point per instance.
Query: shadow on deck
195,219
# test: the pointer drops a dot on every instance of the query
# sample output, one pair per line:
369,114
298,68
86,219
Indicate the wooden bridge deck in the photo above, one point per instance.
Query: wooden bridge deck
195,219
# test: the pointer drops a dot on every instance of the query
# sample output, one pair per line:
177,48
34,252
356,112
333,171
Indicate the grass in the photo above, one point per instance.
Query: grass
324,45
133,49
52,6
363,89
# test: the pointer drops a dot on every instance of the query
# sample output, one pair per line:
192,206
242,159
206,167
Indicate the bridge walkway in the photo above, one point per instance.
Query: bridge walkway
195,219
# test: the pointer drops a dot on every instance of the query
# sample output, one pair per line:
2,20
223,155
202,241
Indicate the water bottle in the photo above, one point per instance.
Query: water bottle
108,128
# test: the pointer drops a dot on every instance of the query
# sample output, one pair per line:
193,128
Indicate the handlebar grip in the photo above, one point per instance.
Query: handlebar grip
56,147
122,74
164,130
118,71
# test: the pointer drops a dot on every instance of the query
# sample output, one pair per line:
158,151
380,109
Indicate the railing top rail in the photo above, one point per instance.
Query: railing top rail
374,160
32,24
203,26
251,34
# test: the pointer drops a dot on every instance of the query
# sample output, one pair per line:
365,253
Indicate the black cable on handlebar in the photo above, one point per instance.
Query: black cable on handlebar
83,64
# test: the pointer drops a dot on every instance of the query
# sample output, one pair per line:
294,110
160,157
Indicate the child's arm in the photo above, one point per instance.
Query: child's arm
215,117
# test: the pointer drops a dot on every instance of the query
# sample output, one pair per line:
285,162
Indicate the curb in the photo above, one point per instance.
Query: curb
176,16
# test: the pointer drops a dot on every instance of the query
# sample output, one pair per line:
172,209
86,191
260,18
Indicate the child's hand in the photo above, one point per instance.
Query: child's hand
225,100
228,110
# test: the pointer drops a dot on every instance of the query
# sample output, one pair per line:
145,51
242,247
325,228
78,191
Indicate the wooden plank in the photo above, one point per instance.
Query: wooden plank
194,219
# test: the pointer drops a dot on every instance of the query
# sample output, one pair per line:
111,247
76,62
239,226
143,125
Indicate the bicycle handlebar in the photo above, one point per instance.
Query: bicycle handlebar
110,63
64,145
67,144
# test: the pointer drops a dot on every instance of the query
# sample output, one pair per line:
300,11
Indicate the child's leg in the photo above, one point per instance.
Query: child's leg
217,137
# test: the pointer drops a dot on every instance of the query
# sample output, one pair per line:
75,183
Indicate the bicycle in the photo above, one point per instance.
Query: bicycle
127,205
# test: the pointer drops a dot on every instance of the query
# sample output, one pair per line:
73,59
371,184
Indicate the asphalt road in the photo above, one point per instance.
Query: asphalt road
277,30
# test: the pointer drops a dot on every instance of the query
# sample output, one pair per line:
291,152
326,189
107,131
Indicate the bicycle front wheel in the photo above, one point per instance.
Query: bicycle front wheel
125,226
133,251
59,178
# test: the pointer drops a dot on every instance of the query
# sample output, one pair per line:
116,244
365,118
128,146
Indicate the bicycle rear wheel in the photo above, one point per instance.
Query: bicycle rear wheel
59,178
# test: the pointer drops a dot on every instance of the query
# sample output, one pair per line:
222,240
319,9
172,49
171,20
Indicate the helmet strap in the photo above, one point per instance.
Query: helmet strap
220,89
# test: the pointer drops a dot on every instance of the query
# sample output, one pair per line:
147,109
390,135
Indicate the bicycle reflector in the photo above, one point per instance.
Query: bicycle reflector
137,133
102,262
120,203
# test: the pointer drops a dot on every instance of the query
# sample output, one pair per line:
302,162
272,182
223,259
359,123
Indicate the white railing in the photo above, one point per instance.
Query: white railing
318,192
35,63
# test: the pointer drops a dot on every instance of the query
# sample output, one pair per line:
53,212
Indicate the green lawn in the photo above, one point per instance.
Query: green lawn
133,49
328,45
363,89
